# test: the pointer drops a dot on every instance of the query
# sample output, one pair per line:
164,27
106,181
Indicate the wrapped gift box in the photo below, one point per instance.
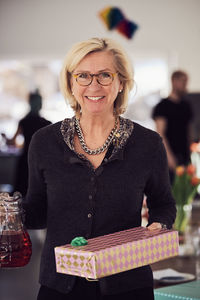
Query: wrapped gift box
117,252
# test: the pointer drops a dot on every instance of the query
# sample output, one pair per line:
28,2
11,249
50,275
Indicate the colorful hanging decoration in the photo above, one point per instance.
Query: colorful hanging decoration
113,18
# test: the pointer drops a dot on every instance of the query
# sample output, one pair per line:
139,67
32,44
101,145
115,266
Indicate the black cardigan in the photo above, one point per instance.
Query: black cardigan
71,199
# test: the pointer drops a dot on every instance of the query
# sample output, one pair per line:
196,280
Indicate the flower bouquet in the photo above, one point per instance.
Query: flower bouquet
184,190
195,159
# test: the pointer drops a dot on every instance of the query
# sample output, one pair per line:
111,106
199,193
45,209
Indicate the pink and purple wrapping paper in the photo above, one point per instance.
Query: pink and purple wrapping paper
117,252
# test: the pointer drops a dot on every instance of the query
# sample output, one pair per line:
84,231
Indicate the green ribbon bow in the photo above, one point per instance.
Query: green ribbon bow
79,241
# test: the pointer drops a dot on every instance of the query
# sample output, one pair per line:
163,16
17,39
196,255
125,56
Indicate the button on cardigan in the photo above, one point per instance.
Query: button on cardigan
70,198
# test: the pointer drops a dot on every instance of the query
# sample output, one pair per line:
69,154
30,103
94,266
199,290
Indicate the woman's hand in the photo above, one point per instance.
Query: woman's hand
154,226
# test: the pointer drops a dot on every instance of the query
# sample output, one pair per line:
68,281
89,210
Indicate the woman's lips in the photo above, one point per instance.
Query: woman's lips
94,98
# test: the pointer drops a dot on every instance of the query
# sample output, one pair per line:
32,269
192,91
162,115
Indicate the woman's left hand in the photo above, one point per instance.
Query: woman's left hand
154,226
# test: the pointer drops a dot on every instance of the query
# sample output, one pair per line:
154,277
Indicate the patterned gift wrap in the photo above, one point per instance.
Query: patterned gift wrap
117,252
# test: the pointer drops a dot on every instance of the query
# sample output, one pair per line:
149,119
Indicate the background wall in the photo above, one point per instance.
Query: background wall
42,29
38,33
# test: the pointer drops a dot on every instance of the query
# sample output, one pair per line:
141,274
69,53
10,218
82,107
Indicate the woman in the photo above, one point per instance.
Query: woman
89,174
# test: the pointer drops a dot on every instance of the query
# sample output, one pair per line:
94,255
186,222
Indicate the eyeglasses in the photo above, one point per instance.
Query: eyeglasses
103,78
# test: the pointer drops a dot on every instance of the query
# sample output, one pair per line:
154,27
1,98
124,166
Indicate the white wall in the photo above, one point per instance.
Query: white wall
47,28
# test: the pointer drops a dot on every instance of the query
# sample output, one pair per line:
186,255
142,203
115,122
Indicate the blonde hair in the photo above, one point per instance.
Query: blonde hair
121,62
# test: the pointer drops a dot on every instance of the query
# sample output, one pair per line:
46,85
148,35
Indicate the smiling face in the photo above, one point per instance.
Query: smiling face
96,98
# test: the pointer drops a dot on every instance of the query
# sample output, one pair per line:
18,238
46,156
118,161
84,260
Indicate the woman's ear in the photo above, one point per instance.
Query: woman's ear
121,87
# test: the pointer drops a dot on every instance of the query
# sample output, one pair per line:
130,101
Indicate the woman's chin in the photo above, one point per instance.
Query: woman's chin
96,108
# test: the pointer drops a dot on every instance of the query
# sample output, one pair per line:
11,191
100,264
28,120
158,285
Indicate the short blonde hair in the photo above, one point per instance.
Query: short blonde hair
121,62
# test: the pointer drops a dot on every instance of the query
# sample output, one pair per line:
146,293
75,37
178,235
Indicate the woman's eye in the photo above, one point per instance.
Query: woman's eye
83,75
105,75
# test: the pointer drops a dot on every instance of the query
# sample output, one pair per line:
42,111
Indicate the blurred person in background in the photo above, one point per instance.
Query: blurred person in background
27,127
88,174
173,116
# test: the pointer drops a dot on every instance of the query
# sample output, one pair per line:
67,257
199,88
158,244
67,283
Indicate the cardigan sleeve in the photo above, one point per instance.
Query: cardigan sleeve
35,202
160,201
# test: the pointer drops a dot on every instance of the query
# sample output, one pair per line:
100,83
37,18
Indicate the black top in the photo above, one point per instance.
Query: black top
178,116
29,125
71,198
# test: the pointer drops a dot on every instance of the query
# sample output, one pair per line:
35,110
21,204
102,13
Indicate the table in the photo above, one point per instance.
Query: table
184,264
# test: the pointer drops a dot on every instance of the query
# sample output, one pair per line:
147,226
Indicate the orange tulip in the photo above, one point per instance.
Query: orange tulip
195,181
191,169
180,170
195,147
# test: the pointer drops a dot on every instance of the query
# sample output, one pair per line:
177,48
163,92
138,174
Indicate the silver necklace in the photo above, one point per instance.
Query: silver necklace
97,150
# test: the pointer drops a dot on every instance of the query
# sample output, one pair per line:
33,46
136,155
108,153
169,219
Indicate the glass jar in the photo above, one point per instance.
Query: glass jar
15,243
196,245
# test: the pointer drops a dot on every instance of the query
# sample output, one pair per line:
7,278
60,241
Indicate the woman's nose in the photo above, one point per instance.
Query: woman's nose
95,83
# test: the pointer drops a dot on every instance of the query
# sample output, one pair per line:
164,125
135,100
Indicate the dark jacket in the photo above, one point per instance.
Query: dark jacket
72,199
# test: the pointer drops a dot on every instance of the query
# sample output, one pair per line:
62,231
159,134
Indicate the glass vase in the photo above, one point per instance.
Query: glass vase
183,216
